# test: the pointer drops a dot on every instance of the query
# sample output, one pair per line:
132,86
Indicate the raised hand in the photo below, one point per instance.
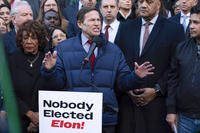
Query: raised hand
49,60
145,69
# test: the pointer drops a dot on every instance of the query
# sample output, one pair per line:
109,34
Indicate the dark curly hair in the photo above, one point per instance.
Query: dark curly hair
35,28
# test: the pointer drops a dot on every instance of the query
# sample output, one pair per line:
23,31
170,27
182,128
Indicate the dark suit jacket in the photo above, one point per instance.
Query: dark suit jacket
176,19
26,82
9,40
130,17
164,36
70,13
64,3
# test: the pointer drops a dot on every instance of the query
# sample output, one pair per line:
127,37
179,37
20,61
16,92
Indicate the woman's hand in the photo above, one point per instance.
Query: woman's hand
49,60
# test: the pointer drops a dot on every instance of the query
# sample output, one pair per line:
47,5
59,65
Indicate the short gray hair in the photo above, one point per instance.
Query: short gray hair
16,6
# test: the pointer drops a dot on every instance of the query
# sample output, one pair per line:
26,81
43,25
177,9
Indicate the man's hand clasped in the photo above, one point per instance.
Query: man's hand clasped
143,96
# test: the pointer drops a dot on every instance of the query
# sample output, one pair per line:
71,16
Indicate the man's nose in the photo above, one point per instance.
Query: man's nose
52,20
29,17
109,8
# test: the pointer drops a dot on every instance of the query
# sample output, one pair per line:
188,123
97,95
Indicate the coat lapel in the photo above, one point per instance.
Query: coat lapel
153,35
178,18
137,36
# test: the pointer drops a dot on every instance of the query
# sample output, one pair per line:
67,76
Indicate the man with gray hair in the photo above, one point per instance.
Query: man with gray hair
20,13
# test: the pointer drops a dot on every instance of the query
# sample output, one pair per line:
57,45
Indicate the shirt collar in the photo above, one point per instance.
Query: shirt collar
112,25
153,21
84,39
182,14
126,15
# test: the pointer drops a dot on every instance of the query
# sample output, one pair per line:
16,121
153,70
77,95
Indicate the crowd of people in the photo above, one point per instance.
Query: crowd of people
146,62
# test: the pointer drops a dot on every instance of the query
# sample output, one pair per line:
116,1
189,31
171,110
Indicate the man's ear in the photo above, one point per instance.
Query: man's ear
79,23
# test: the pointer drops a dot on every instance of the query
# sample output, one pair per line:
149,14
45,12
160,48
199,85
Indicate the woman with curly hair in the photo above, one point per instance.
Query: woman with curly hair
25,72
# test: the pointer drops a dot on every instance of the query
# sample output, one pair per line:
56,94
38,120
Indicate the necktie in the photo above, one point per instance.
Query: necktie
92,58
185,22
146,34
106,32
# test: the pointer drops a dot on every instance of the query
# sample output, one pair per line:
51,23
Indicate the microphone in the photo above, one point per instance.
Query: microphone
97,42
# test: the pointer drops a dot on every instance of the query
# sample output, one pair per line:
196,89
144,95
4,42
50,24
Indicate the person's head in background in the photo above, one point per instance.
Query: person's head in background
136,8
3,28
127,10
195,23
176,7
47,5
57,35
148,9
89,20
125,5
31,37
20,13
88,3
51,19
109,10
50,4
163,10
186,5
5,14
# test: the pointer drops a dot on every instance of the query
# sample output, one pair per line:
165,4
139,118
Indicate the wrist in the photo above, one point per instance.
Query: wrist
158,90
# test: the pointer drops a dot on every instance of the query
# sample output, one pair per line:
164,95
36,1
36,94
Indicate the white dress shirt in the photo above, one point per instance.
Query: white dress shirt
112,31
80,5
153,21
187,20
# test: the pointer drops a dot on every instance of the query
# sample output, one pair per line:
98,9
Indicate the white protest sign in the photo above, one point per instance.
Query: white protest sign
70,112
